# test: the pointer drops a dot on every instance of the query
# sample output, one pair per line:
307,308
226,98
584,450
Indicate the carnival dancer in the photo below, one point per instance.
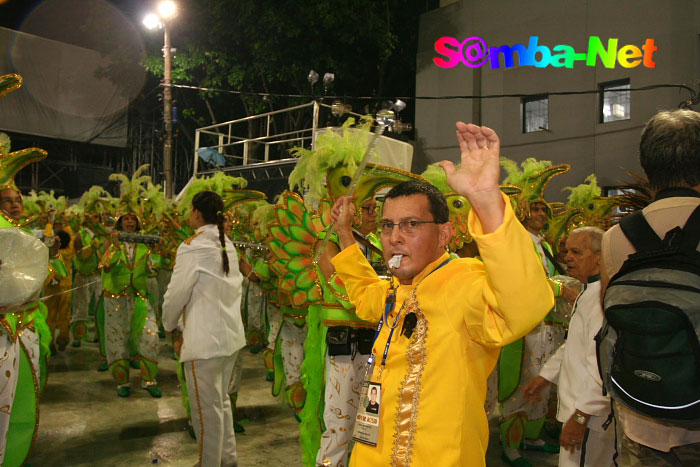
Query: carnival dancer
446,319
348,343
522,420
202,308
51,225
24,334
88,243
131,330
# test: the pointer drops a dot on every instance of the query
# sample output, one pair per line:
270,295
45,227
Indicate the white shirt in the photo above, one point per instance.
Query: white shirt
207,300
574,367
537,240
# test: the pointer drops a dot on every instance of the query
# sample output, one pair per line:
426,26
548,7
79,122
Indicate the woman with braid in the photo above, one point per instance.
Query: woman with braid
202,311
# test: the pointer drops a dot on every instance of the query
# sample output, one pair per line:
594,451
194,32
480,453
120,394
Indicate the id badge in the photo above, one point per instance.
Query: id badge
366,429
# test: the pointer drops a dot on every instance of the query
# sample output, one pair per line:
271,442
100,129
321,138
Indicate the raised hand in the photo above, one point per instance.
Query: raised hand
479,173
342,215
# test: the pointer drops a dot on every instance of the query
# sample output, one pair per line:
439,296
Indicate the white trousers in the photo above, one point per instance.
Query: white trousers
83,294
236,375
9,369
207,385
292,338
256,306
344,378
118,313
274,319
597,450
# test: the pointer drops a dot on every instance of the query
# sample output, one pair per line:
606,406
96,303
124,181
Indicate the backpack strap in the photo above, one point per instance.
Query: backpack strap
691,232
639,232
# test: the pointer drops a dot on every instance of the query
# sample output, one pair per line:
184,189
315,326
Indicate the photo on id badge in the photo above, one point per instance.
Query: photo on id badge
367,419
373,399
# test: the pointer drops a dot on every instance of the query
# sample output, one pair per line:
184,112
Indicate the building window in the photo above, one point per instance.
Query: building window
535,111
615,101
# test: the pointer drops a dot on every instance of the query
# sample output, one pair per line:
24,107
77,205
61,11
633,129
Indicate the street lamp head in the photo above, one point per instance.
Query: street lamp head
167,9
151,21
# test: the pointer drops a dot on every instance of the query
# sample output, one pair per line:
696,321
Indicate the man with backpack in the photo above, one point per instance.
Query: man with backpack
648,347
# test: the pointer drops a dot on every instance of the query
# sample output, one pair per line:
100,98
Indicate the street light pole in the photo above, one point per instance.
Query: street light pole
168,114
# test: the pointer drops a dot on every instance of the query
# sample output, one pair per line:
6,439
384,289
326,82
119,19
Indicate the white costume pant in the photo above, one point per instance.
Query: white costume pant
292,339
84,294
344,378
274,319
118,314
540,344
255,308
9,369
207,385
597,450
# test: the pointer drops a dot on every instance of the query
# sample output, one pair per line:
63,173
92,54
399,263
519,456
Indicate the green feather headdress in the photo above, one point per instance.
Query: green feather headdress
333,149
584,193
262,217
131,191
596,209
155,202
31,203
96,200
74,210
532,177
43,202
436,176
219,183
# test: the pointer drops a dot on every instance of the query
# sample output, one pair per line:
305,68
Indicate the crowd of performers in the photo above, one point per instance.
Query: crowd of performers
111,260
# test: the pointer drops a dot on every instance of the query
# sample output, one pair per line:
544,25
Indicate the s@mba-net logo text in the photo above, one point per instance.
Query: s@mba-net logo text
473,52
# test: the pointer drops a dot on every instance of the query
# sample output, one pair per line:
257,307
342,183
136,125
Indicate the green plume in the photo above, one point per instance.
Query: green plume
436,176
31,203
94,199
530,168
584,193
333,149
218,183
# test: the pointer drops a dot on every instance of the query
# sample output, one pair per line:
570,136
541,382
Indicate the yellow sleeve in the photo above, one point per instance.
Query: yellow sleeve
365,289
515,292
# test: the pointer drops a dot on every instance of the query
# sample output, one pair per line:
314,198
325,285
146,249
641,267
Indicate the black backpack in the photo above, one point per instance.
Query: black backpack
648,348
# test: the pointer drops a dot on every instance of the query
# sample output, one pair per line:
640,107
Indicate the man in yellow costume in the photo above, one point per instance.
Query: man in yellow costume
442,321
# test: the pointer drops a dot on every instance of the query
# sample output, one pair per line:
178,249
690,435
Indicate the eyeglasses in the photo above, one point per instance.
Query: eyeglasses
407,227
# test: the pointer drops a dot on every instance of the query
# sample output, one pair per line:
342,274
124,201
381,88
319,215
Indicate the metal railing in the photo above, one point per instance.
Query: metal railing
237,149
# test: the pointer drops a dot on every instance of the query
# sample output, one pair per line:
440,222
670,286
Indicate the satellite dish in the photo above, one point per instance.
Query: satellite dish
24,265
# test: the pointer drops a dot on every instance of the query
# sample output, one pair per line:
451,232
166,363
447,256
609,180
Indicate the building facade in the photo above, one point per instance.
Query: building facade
658,43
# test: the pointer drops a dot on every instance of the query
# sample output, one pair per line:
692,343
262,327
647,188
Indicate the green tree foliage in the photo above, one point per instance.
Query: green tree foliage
265,46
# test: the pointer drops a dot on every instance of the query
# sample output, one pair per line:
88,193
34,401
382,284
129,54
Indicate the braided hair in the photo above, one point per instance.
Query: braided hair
212,206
